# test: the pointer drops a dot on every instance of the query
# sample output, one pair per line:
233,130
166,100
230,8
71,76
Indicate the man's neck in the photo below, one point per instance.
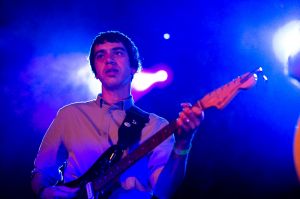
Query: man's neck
112,97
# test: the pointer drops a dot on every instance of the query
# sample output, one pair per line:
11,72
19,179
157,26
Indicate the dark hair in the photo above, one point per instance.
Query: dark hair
116,36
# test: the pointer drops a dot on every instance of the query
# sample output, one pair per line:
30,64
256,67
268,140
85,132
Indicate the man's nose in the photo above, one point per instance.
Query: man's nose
110,59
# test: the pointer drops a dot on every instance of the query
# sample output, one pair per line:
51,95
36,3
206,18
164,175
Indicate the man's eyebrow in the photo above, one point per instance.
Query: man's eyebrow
99,51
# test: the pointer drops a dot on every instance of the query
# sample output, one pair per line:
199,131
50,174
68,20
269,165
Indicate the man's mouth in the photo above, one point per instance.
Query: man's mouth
111,71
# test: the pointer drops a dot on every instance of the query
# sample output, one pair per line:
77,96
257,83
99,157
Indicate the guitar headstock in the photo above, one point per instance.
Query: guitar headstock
220,97
249,79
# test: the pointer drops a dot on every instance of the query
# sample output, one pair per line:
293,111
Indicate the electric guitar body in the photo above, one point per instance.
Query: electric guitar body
98,170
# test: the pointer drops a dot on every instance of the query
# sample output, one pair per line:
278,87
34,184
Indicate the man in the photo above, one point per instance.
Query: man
294,73
81,132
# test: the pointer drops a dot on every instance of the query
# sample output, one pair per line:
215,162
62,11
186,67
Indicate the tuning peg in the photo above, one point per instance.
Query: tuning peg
260,71
265,78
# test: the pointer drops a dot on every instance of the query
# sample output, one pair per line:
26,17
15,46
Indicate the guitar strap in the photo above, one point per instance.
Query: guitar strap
131,128
129,132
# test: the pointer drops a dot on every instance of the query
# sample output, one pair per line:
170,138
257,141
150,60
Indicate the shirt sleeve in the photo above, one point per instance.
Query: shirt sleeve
51,154
160,155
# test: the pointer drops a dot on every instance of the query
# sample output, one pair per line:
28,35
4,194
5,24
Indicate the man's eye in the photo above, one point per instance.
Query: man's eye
99,56
120,53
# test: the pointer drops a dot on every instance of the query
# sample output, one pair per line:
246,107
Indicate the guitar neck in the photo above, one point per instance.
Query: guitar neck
146,147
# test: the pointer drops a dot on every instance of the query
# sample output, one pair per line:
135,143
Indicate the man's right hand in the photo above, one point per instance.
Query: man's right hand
62,192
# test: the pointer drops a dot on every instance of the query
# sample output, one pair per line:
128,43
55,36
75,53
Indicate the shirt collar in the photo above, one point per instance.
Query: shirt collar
124,104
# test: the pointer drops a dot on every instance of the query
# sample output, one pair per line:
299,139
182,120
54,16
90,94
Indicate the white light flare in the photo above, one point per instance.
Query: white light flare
286,41
167,36
143,80
86,77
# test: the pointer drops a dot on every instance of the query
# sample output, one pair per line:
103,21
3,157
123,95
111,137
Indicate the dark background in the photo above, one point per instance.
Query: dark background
242,151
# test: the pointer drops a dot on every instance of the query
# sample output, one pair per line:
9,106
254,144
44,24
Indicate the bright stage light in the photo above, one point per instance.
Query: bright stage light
286,41
85,76
143,80
166,36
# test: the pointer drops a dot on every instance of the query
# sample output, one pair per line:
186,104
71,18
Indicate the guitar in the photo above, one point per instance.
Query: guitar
101,179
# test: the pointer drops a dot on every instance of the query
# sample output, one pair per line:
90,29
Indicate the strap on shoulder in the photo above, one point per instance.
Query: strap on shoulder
130,130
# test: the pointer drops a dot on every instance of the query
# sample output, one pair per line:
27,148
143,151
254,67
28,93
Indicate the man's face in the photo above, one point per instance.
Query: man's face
112,65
